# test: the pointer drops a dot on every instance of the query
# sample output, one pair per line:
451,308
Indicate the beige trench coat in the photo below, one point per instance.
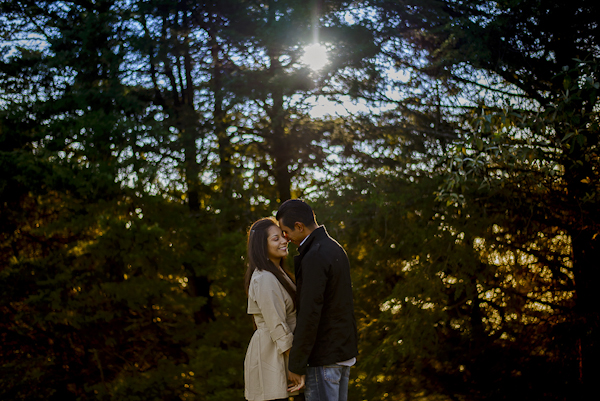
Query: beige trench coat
265,366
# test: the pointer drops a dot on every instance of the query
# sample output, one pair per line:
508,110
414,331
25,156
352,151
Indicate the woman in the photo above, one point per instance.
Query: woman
272,303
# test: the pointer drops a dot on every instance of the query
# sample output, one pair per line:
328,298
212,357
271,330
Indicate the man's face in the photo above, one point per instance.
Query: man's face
295,234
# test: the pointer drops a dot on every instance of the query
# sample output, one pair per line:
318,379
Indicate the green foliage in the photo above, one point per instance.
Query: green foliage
139,140
452,302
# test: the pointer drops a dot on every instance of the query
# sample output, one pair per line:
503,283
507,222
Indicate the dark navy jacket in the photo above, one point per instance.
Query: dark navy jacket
325,327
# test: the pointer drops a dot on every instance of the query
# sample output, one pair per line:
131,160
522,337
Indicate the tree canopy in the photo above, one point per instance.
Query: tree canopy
140,139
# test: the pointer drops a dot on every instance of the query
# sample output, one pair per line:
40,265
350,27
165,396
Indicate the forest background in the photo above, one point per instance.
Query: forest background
140,138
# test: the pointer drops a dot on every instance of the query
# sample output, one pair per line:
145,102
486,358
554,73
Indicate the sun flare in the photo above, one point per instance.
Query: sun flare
315,56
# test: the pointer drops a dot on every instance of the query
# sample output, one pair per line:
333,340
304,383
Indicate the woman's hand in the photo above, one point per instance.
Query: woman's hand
298,381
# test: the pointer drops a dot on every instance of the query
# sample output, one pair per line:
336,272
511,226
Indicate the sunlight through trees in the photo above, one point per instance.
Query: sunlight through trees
451,147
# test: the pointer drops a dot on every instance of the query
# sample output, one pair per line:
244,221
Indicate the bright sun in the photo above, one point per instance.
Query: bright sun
315,56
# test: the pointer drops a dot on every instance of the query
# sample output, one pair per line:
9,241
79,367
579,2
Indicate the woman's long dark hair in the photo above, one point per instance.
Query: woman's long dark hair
258,257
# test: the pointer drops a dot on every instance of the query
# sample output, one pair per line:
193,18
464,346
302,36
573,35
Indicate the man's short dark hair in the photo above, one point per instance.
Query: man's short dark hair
293,210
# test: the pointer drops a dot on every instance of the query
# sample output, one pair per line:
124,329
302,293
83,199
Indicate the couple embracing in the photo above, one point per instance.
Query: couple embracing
305,334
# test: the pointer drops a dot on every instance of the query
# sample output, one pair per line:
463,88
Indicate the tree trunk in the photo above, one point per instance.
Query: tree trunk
280,144
586,257
220,124
585,239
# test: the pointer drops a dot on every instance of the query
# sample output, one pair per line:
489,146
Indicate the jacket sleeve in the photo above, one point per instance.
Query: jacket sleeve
314,282
268,294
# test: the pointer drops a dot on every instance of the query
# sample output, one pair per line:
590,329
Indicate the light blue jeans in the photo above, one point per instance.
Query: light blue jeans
327,383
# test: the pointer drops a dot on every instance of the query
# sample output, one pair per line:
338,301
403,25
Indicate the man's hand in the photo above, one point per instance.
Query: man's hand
297,381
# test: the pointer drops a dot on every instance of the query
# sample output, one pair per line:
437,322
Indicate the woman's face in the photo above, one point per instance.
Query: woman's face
276,244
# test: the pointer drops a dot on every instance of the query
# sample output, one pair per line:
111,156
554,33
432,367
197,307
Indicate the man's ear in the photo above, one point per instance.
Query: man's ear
299,226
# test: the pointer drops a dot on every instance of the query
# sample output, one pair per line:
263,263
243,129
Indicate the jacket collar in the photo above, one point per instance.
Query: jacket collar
318,233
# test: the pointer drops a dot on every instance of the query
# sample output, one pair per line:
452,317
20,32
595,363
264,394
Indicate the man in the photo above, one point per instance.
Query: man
325,339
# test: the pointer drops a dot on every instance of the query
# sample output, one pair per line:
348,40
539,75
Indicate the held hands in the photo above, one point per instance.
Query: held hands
297,381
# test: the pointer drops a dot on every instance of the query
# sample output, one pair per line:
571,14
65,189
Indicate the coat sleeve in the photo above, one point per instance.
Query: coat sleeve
314,282
268,294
